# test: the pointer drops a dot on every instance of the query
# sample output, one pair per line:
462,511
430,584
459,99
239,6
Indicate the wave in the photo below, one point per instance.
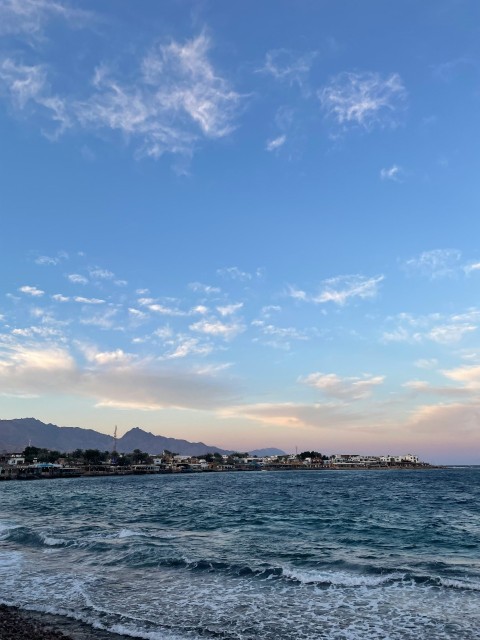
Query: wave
468,585
141,555
341,578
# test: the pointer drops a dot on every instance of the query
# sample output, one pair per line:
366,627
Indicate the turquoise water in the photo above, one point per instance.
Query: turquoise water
338,555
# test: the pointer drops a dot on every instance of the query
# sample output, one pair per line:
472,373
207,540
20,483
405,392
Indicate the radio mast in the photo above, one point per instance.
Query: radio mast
114,457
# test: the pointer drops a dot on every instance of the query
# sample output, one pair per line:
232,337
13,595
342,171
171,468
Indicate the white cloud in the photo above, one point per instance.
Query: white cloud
76,278
436,263
434,327
453,423
426,363
234,273
189,346
326,416
472,267
27,85
393,173
229,309
366,99
137,314
163,310
203,288
103,319
340,289
31,291
288,66
450,333
101,274
51,260
58,297
216,328
83,300
200,309
348,388
468,375
280,333
172,101
175,99
30,17
113,379
276,143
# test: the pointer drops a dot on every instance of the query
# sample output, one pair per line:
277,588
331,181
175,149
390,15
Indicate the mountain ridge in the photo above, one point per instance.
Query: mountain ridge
17,433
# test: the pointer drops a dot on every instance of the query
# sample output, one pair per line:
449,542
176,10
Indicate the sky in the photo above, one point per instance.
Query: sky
248,223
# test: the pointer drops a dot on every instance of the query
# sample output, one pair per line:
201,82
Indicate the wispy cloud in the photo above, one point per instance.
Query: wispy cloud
234,273
393,173
83,300
288,66
279,337
340,289
426,363
173,100
213,327
187,346
276,143
348,388
51,260
435,327
203,288
30,17
437,263
367,100
76,278
229,309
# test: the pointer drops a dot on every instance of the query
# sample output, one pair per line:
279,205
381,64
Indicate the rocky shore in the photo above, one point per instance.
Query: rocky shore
19,624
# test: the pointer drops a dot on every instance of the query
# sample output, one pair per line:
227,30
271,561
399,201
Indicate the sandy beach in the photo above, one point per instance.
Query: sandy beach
19,624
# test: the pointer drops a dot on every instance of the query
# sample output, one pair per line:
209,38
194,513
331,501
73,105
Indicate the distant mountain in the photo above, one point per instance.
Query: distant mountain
267,452
138,439
16,434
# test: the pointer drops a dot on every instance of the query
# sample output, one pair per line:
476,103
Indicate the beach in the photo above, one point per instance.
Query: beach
19,624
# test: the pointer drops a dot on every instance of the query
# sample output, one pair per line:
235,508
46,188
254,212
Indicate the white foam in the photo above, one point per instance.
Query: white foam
460,584
128,533
50,541
127,630
5,528
339,578
9,559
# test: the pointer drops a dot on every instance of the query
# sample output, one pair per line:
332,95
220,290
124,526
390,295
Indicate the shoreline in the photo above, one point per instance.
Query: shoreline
26,474
25,624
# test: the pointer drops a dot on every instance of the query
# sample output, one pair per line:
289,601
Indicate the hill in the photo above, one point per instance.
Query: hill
16,434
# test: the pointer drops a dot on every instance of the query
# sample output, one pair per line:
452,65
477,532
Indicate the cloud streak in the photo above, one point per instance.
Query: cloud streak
340,290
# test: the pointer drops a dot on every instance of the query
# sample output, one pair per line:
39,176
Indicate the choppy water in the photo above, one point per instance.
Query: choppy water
340,555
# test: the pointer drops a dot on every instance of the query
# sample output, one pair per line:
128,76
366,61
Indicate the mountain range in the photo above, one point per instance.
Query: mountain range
18,433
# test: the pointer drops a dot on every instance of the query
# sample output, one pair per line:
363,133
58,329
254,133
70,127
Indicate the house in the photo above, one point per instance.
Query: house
16,459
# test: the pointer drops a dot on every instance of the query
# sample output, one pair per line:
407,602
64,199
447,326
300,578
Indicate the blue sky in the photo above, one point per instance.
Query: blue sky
247,223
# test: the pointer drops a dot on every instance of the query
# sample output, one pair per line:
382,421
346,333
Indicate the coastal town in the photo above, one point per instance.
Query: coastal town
35,463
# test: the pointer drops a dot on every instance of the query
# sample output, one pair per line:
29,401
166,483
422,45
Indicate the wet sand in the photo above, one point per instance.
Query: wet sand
19,624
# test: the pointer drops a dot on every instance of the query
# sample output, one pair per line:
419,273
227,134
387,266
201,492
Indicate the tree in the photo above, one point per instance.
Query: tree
92,456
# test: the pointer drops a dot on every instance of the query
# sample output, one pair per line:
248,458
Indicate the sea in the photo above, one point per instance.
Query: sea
340,555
